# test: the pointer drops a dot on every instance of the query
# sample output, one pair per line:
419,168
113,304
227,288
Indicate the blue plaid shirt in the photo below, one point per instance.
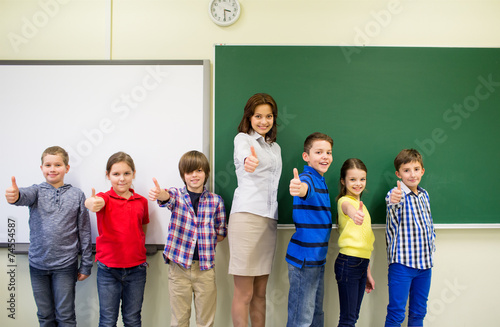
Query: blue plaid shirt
186,229
410,235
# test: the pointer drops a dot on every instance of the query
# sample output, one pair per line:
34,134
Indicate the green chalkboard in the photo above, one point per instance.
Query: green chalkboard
373,101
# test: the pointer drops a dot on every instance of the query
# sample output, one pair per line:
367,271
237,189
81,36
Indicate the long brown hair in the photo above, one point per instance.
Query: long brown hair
352,163
252,103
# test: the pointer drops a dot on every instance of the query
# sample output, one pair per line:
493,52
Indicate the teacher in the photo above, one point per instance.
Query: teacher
254,213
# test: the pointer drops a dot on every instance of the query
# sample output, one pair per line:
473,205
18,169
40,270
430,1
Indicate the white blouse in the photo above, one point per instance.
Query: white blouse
257,192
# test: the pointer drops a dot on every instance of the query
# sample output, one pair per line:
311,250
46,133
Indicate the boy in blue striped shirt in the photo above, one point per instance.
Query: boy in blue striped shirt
410,239
306,253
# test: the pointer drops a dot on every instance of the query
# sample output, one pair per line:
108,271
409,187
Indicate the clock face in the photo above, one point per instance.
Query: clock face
224,12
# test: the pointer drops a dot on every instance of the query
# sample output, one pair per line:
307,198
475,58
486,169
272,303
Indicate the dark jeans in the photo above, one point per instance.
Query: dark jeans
54,292
120,284
350,273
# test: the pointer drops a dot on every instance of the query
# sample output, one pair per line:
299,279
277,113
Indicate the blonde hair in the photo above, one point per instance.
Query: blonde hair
56,151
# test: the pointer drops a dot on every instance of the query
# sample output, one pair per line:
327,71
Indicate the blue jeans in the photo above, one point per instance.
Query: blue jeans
125,284
403,282
350,273
54,293
305,299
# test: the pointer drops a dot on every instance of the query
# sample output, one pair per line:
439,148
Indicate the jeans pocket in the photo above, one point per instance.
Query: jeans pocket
355,262
102,265
339,268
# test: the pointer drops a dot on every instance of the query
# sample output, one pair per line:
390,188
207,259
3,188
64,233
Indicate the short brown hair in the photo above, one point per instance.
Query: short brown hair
119,157
315,137
192,160
56,151
406,156
252,103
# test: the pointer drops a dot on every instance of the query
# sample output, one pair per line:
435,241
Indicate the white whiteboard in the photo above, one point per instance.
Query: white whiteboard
153,110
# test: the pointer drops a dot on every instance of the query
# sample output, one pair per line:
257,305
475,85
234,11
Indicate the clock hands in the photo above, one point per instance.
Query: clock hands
226,10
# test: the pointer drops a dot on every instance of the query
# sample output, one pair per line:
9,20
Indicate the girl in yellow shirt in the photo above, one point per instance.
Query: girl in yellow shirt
352,269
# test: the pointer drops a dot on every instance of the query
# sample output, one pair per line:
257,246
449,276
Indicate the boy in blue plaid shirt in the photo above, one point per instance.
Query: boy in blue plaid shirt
410,239
197,224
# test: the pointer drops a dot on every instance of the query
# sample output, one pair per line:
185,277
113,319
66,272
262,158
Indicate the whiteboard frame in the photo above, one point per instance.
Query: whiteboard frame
205,99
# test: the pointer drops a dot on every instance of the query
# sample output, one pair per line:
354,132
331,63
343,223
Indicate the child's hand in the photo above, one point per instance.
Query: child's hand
220,238
94,203
295,183
251,162
370,284
359,216
396,194
82,277
156,193
12,193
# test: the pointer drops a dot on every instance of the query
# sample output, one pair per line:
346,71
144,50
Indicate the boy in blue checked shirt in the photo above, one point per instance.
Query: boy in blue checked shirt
197,224
410,241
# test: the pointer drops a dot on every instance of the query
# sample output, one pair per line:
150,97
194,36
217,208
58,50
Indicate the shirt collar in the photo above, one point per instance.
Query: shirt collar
313,171
185,191
48,186
407,190
256,136
113,194
351,197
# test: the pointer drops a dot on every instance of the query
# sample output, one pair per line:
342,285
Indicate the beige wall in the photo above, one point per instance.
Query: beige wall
464,290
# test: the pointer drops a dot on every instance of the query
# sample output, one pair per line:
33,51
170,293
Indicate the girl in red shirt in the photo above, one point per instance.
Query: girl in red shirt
122,218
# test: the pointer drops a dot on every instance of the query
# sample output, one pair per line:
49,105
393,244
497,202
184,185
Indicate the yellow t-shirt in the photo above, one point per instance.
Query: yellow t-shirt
355,240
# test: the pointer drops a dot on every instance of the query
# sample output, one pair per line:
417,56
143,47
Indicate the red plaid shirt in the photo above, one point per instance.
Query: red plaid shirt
185,229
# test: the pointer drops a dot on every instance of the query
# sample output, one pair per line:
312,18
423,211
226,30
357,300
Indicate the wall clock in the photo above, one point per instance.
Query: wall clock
224,12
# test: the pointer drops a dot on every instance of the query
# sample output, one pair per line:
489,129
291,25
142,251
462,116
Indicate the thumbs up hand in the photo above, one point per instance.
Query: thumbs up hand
157,193
296,187
94,203
359,216
251,162
12,193
396,194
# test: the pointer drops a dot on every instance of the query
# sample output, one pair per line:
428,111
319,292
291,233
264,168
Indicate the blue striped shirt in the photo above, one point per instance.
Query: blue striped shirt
313,223
410,235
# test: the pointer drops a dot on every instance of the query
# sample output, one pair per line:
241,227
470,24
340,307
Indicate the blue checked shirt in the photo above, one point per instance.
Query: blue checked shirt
410,235
185,229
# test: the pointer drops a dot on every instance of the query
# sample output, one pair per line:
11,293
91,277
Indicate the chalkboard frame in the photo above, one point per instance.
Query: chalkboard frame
242,70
